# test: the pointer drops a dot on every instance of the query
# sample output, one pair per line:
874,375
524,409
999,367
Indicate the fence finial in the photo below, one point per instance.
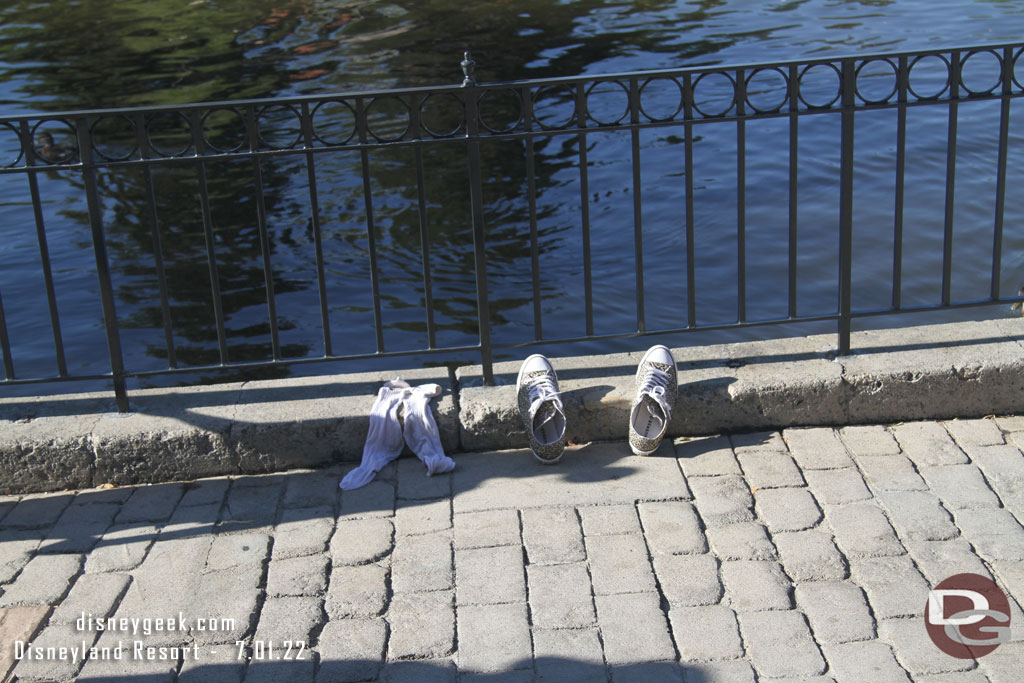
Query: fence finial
468,65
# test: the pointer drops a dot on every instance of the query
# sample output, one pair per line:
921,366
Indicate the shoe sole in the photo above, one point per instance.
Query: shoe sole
519,382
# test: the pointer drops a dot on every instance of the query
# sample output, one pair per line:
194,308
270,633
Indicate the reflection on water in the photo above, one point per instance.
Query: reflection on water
159,52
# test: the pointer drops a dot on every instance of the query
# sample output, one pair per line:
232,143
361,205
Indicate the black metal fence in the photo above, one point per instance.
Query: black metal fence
470,115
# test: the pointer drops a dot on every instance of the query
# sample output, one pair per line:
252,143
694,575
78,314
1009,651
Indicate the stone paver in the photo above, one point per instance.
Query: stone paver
786,509
618,564
915,651
485,529
359,591
770,469
688,580
837,487
993,532
861,529
568,655
560,596
672,528
351,650
361,540
870,660
422,625
706,633
43,581
304,531
552,536
780,644
927,443
890,473
869,440
960,486
706,457
817,448
742,541
423,563
722,500
422,517
493,638
489,575
608,520
634,629
753,586
837,611
305,575
918,516
894,586
802,556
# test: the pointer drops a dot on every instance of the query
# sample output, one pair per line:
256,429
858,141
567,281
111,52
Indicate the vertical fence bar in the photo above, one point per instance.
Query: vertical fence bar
371,236
211,252
849,88
318,244
5,344
479,245
638,231
531,191
102,264
691,293
794,129
1004,132
141,139
741,199
261,225
588,288
44,251
903,84
947,236
421,203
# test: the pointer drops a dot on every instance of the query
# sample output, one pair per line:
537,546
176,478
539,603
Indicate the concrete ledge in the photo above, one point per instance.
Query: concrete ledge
939,371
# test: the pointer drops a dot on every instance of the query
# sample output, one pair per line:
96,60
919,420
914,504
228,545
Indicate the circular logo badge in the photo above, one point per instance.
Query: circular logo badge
967,616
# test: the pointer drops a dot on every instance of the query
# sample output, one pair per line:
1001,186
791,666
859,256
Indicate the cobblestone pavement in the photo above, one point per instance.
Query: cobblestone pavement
803,555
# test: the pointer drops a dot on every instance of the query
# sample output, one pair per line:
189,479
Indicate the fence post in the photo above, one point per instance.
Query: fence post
99,246
849,89
477,209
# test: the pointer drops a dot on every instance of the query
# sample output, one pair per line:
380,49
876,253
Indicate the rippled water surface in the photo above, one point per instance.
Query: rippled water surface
114,53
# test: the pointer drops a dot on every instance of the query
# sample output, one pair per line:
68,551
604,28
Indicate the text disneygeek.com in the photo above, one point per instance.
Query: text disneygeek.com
133,649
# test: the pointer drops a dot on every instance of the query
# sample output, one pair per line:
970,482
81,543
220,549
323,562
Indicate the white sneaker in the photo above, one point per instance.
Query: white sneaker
656,388
541,408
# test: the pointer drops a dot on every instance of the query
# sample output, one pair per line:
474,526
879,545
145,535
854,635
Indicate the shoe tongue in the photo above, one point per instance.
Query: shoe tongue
654,403
546,412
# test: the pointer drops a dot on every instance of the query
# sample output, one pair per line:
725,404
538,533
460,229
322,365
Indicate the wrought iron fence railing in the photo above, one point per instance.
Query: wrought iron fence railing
472,115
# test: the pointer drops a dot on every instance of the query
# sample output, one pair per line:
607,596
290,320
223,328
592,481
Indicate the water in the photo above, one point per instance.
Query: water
94,54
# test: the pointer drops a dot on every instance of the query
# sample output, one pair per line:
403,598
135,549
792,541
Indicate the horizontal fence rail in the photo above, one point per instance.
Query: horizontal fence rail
470,117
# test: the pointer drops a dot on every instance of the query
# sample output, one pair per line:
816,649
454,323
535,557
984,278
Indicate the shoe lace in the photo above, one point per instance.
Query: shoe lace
540,390
654,384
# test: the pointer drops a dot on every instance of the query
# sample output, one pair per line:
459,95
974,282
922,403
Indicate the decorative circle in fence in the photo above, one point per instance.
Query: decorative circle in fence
168,134
387,118
820,85
607,102
114,137
661,99
877,80
334,122
929,77
767,90
224,130
442,115
279,126
500,110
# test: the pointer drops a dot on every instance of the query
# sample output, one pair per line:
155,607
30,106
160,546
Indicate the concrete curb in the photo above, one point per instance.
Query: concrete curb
939,371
